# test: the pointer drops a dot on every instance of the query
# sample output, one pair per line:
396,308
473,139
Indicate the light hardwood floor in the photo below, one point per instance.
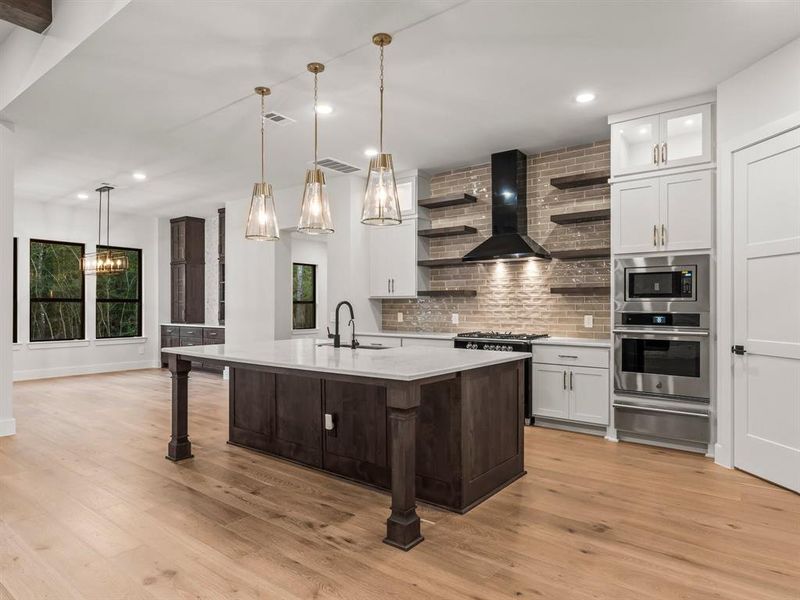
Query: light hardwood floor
89,508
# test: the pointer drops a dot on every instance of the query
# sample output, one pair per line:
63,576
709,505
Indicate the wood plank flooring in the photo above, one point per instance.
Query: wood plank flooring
89,508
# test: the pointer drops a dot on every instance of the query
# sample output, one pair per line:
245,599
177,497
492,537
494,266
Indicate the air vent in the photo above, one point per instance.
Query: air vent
337,165
278,118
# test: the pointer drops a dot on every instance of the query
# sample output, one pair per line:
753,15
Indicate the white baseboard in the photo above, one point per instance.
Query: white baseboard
721,457
81,370
8,427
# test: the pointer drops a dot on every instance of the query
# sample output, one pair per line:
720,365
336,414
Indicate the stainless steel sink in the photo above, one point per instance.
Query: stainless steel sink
360,347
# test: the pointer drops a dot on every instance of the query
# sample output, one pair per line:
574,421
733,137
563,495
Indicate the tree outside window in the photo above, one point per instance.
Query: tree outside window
119,302
57,291
304,296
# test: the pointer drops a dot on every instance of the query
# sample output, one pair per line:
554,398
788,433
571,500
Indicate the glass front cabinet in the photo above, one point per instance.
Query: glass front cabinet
671,139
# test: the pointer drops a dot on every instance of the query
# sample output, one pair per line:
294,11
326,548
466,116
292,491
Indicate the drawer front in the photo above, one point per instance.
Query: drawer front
170,330
675,425
192,333
170,341
571,355
213,335
191,341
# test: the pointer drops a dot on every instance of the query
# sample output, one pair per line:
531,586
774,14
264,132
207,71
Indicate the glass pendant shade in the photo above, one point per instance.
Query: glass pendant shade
262,222
315,213
381,204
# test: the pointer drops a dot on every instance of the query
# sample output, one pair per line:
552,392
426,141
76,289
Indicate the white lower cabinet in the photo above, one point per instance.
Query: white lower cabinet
570,390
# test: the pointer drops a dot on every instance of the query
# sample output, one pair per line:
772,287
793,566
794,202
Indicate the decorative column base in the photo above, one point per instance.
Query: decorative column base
403,529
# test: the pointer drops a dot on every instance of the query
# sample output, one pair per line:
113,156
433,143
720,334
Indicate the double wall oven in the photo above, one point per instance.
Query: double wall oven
662,373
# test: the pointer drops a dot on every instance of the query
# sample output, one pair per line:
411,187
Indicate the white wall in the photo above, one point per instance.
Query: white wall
757,102
258,274
78,224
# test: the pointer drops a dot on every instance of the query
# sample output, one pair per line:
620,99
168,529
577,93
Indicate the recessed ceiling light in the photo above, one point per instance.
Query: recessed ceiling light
139,176
83,196
644,130
324,109
688,122
584,97
370,152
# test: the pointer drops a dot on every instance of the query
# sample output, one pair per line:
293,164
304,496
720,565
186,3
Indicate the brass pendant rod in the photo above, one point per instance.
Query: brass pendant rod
100,218
381,126
315,120
108,217
263,167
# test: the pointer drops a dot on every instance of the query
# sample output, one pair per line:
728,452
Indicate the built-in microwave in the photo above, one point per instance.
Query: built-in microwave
662,284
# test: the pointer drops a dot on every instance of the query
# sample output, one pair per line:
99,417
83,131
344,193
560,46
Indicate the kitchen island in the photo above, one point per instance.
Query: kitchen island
442,425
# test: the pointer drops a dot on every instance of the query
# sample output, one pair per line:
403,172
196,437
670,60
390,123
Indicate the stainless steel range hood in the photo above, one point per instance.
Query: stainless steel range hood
509,239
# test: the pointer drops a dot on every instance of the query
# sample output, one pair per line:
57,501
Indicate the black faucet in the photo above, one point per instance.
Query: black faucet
337,339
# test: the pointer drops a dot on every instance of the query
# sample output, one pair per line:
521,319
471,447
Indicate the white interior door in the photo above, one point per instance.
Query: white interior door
766,262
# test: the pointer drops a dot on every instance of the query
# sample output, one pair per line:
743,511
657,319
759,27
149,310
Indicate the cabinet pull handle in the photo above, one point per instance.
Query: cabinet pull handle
655,154
664,153
393,285
567,356
388,285
655,235
663,235
570,380
329,425
565,380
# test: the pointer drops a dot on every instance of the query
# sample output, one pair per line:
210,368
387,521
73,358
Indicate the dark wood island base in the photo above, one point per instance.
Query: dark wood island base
451,440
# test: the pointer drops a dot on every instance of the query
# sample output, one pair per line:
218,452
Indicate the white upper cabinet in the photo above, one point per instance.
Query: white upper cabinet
671,139
663,214
411,186
393,260
635,145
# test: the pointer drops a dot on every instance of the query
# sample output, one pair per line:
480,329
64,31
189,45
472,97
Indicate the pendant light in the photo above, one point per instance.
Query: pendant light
381,205
262,222
315,213
105,262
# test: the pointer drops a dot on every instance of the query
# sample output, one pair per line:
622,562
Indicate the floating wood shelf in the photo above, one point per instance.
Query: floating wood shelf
584,216
441,262
446,231
582,290
582,180
448,293
582,253
448,200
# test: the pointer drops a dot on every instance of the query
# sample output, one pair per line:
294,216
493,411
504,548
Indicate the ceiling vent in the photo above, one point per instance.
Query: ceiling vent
278,118
336,165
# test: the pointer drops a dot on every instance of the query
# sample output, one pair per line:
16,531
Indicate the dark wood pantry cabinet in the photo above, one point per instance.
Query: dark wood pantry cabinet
187,270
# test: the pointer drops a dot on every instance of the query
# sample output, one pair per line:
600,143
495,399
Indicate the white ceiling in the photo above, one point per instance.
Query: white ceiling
5,30
166,86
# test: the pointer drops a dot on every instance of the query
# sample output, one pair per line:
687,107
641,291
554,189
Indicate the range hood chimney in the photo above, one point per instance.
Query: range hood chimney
509,239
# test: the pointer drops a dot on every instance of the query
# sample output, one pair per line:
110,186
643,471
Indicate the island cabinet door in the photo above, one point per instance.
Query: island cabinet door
296,427
355,435
252,399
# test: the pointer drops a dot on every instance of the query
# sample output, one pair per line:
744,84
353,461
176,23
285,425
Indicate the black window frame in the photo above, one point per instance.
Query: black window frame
138,299
312,302
82,300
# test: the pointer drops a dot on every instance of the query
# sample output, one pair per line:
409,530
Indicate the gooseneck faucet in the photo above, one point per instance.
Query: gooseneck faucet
335,336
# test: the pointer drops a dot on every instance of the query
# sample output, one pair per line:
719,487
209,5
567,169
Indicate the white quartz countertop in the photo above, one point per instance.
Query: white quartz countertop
424,335
400,364
193,325
567,341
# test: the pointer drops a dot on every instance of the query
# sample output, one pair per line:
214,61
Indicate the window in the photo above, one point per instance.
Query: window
14,292
304,296
57,291
119,298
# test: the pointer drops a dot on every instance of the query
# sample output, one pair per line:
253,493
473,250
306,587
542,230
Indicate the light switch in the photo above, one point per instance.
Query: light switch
454,318
588,321
399,317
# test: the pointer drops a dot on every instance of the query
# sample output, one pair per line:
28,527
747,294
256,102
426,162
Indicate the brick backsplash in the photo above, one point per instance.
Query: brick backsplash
516,296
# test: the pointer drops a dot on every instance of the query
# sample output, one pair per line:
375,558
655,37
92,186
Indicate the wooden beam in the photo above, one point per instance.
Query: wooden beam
35,15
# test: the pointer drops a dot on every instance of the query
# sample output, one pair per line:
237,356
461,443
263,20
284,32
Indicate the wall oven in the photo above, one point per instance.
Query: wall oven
664,363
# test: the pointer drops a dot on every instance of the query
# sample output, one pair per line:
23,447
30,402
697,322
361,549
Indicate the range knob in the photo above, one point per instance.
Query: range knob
510,348
489,346
470,345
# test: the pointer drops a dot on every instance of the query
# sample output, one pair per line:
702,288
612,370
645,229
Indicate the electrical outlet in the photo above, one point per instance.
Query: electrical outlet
141,349
399,317
454,318
588,321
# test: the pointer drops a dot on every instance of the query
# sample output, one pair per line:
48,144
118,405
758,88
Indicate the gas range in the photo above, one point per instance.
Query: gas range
495,340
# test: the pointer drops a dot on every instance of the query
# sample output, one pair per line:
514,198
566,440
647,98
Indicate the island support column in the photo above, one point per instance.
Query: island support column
402,526
179,446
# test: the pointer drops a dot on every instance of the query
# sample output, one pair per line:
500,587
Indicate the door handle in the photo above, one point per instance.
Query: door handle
662,410
655,154
664,153
663,235
570,380
655,235
565,380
